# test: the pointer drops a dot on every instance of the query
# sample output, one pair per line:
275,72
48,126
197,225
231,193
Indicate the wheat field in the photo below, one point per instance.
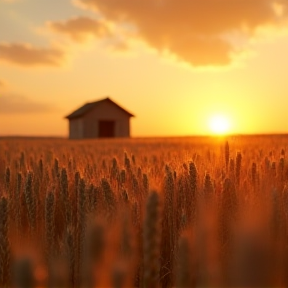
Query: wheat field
151,212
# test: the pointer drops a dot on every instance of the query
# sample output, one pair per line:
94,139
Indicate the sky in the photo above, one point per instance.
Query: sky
174,64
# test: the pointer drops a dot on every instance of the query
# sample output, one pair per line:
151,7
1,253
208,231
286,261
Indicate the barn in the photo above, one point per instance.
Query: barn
100,119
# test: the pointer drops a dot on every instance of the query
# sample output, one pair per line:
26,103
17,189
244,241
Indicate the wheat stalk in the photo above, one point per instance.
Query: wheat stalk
151,241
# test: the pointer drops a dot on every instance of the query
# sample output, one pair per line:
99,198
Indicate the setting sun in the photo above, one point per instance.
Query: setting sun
219,125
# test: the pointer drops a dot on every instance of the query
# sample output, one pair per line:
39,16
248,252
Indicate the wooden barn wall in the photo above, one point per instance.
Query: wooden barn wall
76,128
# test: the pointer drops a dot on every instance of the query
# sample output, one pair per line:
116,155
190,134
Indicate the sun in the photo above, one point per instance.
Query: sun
219,124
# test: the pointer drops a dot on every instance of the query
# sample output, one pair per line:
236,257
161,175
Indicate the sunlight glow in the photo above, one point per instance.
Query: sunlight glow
219,124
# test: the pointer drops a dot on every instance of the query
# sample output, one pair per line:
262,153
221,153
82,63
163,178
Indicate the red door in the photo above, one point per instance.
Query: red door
106,129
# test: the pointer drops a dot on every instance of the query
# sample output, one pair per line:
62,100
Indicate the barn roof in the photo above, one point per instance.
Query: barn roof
89,106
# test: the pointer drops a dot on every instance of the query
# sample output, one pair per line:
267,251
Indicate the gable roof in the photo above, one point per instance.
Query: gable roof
89,106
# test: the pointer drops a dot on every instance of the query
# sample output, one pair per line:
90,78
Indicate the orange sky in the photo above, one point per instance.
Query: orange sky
174,64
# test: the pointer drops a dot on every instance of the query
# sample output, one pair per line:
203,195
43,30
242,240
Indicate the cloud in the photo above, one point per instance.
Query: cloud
80,28
27,55
198,32
19,104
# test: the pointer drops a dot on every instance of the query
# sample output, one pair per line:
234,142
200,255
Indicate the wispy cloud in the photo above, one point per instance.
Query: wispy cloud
80,28
28,55
19,104
198,32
